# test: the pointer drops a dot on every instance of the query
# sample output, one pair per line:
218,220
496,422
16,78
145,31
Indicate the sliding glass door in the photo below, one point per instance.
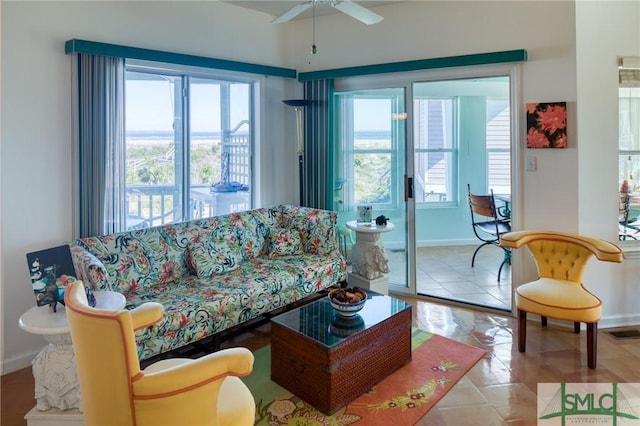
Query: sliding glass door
410,152
462,139
370,166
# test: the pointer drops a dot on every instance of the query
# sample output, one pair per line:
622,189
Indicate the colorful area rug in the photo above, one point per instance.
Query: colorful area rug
437,364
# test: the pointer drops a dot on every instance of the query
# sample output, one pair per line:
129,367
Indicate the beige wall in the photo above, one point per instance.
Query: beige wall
35,156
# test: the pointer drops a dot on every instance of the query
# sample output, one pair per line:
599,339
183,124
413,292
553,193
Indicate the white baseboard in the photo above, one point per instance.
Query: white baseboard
619,321
613,321
433,243
15,364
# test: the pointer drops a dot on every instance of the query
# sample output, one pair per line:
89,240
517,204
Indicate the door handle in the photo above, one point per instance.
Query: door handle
408,187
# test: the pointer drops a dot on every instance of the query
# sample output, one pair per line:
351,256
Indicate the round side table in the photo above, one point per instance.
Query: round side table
54,368
369,263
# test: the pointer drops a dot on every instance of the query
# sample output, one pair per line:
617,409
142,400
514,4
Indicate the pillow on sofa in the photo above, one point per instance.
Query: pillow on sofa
213,257
284,242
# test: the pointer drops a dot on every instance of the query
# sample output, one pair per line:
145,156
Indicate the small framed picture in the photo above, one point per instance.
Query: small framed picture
364,214
51,271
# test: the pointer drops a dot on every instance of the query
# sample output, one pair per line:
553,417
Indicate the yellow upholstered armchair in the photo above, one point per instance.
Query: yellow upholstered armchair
204,391
559,292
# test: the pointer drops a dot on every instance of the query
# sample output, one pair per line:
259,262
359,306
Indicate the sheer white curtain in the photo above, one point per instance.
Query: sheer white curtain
100,144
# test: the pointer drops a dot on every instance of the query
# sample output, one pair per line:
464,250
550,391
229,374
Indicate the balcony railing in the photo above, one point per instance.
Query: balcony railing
153,205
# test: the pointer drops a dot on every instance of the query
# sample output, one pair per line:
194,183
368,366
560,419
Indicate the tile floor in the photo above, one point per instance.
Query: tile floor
446,272
501,389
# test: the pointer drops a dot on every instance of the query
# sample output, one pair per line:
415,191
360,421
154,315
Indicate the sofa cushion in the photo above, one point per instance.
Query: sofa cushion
317,228
213,257
141,258
198,307
284,242
242,231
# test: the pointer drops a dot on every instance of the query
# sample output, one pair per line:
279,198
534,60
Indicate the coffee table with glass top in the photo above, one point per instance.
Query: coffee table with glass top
329,360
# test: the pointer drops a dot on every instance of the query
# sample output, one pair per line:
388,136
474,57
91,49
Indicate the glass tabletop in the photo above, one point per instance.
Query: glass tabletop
320,322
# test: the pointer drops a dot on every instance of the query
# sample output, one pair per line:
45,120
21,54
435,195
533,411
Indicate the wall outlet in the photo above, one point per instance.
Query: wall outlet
532,164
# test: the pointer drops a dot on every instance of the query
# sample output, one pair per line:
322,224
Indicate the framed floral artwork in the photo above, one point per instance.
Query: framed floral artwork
547,125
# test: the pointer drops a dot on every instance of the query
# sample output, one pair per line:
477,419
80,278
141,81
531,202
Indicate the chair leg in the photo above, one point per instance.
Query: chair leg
576,327
522,330
543,321
473,258
500,270
592,344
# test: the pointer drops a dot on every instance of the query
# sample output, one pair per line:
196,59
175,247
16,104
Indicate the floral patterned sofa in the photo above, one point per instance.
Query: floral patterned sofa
214,273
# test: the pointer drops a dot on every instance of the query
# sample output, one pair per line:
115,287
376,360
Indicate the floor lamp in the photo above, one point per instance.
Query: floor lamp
297,105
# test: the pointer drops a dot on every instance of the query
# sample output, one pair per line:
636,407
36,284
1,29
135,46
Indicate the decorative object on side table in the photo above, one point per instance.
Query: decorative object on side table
382,220
364,214
51,270
347,302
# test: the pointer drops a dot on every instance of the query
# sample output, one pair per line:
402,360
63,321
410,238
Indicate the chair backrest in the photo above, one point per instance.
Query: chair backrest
482,205
562,256
484,217
106,359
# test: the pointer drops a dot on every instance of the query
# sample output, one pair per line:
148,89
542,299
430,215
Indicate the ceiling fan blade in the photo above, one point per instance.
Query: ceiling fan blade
358,12
293,12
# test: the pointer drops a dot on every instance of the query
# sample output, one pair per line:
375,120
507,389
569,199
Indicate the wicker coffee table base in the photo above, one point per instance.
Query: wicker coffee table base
330,378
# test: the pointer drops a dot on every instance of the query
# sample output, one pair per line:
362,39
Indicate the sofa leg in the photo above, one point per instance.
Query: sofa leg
576,327
592,344
522,330
543,321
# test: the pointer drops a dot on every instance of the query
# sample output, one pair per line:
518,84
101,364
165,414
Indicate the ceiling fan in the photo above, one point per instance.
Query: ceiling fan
350,8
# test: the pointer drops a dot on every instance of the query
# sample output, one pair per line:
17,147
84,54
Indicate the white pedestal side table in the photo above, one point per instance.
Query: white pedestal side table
369,263
54,368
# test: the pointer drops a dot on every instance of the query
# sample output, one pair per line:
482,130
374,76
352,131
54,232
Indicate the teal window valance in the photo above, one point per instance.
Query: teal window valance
421,64
127,52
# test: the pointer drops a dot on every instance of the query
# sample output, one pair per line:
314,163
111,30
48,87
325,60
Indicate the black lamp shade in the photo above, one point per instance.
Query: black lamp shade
297,102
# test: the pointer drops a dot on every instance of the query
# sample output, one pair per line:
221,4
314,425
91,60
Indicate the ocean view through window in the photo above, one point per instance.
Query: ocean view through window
188,147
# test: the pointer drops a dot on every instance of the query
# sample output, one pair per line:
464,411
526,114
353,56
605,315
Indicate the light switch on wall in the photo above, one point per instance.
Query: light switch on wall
532,164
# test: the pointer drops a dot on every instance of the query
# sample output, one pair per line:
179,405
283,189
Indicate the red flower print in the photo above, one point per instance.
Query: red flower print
535,139
168,270
184,321
552,118
547,125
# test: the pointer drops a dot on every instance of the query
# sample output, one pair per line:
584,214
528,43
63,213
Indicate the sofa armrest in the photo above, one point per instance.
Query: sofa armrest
90,269
317,228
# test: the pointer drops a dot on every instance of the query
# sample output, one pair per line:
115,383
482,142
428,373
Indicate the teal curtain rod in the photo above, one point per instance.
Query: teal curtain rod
422,64
104,49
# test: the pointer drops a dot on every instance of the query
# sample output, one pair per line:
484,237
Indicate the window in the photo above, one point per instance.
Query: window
499,146
188,146
629,138
370,125
629,147
436,149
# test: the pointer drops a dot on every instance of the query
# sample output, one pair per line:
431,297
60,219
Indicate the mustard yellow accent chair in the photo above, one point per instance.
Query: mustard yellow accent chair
184,392
559,293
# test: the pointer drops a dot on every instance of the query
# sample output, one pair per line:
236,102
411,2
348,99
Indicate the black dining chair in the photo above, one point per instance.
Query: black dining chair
628,228
488,225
